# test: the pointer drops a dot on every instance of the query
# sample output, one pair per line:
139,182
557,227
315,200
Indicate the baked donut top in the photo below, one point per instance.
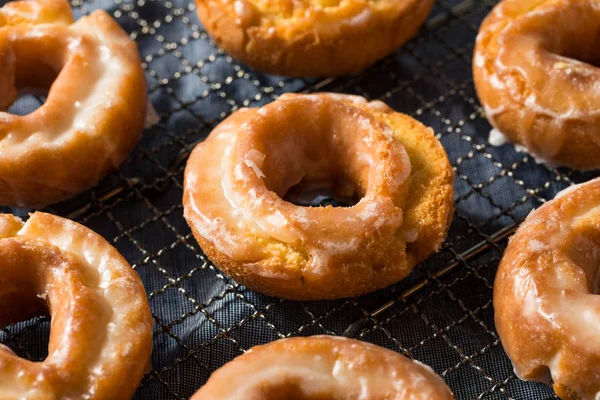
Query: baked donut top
101,326
84,64
547,290
94,111
544,54
238,184
323,367
289,18
313,138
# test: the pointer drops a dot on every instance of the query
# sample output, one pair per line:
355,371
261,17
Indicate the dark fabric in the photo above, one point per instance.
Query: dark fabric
204,319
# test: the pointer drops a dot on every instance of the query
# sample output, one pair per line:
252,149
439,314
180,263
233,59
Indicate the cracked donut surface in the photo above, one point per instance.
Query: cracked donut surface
101,326
536,69
93,114
323,367
546,294
312,37
235,182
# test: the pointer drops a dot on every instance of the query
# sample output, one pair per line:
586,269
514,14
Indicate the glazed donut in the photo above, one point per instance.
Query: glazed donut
236,180
536,73
101,332
312,37
323,367
95,109
546,294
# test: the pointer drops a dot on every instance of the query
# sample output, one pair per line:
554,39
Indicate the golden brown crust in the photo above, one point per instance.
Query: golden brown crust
70,152
311,39
281,269
536,72
430,202
323,367
546,294
101,321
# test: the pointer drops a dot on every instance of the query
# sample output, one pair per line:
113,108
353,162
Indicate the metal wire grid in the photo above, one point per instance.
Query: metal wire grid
442,314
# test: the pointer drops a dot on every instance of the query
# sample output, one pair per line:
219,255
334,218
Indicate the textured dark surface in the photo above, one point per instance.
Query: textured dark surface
202,318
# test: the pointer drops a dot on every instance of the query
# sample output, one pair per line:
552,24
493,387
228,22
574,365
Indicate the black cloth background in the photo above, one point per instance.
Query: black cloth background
203,319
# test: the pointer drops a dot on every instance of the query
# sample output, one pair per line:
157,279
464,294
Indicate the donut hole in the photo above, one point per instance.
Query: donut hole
326,156
28,101
28,339
585,50
30,316
584,250
292,389
28,80
327,174
578,37
32,84
335,193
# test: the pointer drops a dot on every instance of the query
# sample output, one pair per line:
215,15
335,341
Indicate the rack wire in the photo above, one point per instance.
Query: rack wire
441,315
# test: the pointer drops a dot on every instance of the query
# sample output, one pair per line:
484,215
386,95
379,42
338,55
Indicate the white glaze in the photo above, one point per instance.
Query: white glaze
563,90
89,104
340,368
570,189
497,138
360,19
118,306
234,219
549,264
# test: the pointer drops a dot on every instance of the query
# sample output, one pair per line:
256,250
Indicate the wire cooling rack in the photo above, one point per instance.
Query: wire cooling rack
441,315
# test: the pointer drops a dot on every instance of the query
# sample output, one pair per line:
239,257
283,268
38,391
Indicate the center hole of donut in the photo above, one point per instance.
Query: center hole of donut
584,250
29,90
28,101
24,319
579,37
28,340
592,59
312,152
338,193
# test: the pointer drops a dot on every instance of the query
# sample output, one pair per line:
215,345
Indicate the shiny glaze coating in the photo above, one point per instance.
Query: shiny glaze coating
546,294
95,109
236,179
536,73
312,37
323,367
101,326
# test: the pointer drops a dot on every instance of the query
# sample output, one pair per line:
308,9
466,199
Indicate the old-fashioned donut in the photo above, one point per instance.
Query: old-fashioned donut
323,367
95,109
536,70
101,332
236,180
312,37
546,294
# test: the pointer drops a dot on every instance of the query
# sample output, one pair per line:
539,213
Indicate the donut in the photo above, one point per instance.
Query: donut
546,294
235,182
94,112
315,38
536,70
101,327
323,367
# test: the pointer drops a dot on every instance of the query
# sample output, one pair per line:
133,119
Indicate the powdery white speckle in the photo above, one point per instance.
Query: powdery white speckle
362,18
255,168
479,60
536,245
241,9
379,105
572,188
411,235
